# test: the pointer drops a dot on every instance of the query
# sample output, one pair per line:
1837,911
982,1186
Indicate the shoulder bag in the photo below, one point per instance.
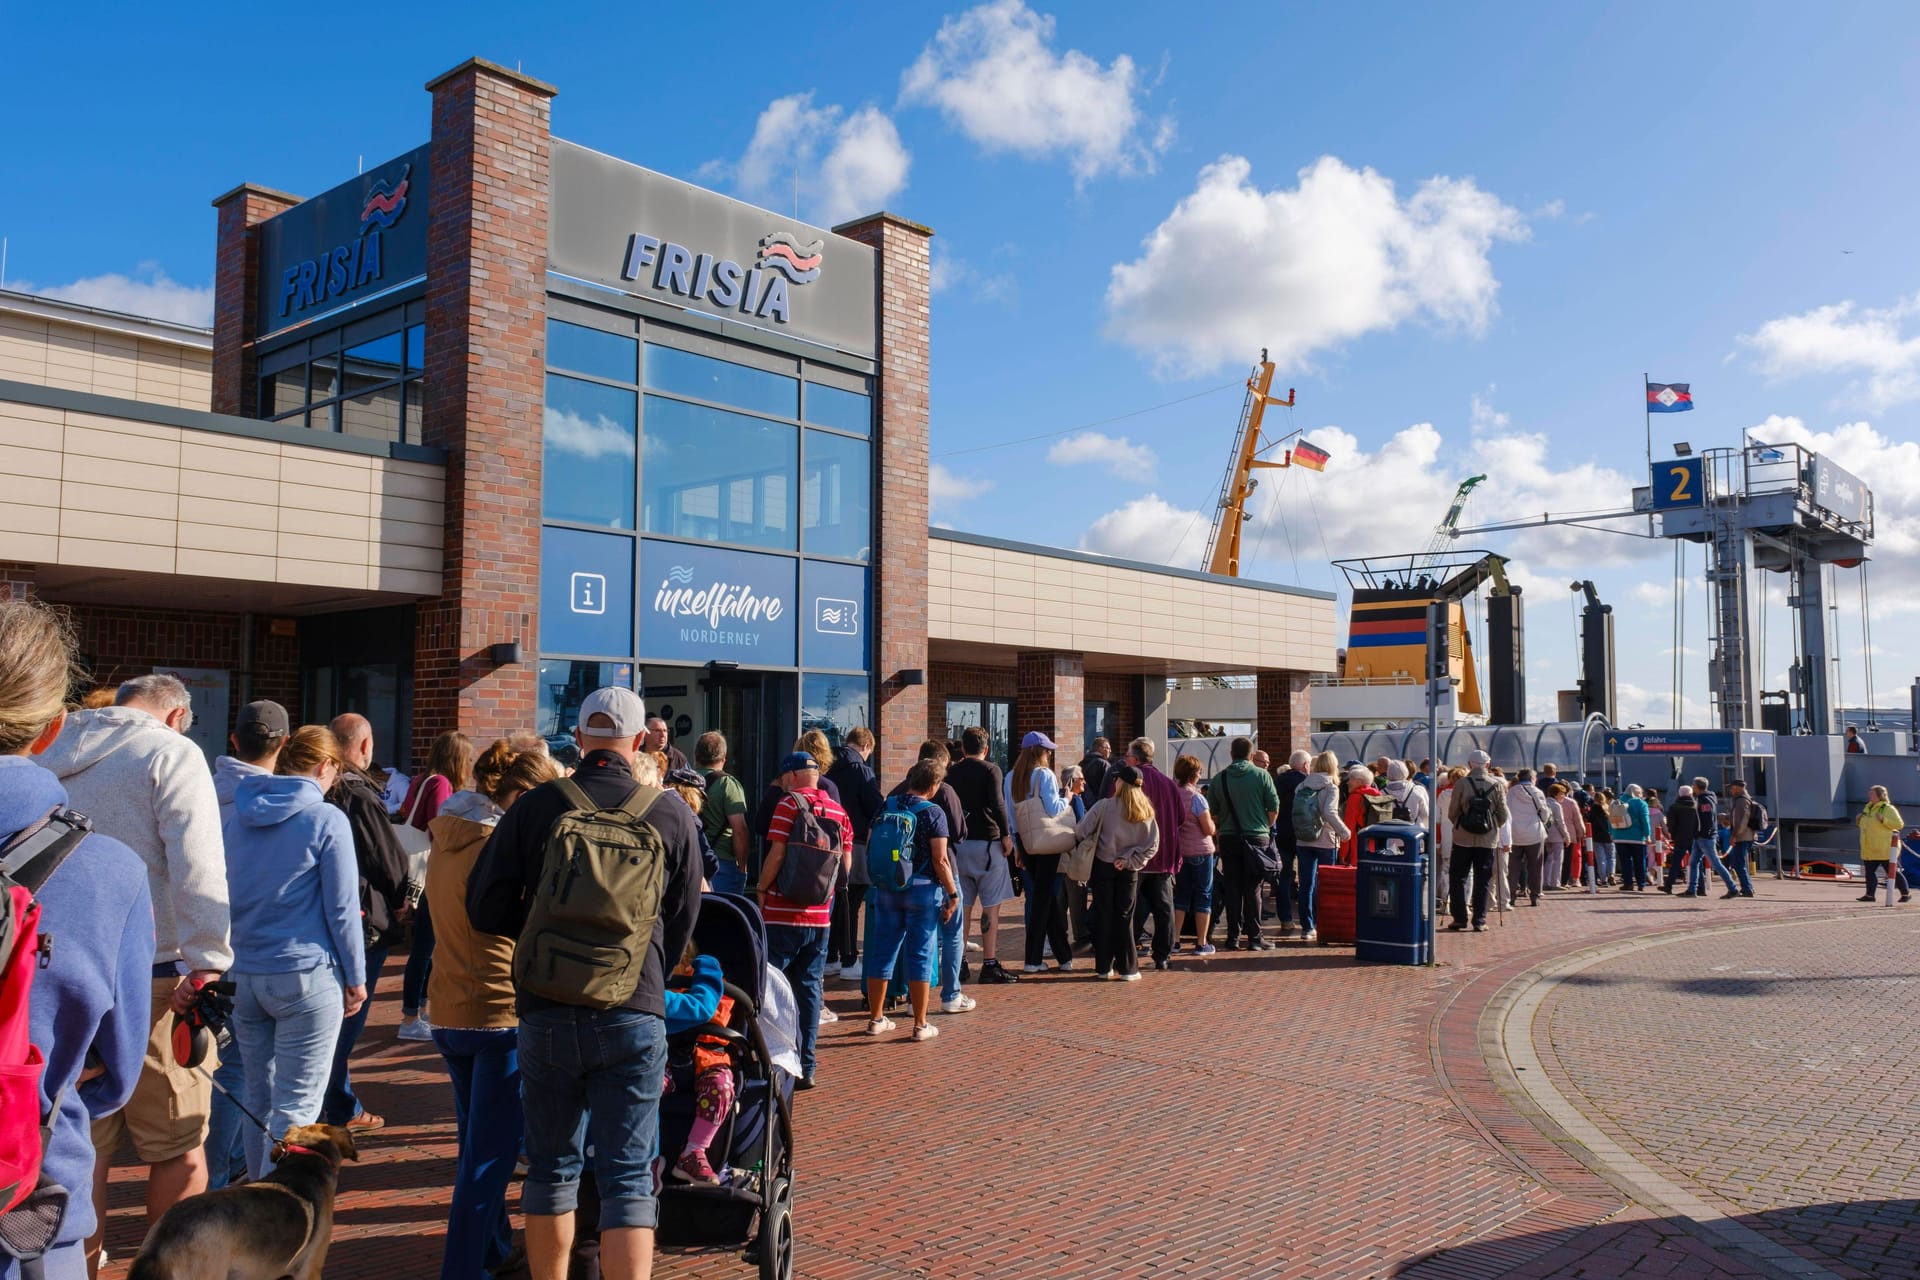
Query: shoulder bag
413,842
1077,866
1042,835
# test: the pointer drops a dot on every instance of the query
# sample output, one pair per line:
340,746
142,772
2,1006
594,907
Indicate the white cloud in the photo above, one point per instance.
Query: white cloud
950,273
1865,343
1297,270
150,292
599,437
993,73
1151,530
1120,456
945,489
849,164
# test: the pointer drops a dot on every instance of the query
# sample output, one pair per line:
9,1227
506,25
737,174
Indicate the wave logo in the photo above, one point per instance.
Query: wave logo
680,574
798,262
385,203
836,617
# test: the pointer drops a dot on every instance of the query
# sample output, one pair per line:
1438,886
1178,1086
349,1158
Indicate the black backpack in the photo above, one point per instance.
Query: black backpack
1478,817
1401,813
812,863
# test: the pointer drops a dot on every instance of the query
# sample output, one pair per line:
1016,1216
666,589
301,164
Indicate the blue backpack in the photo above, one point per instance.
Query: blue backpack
891,844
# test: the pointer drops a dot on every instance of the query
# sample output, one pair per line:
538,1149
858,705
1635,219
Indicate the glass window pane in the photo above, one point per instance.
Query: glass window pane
283,392
326,378
374,416
836,490
589,450
721,381
416,348
834,705
717,476
846,410
375,361
594,351
563,687
415,412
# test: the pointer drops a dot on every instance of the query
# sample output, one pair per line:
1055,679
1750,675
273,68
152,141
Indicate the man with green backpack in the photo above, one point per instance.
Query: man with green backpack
598,877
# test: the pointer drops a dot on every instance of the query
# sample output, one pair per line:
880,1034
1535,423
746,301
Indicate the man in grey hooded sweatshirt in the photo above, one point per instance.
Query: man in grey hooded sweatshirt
131,768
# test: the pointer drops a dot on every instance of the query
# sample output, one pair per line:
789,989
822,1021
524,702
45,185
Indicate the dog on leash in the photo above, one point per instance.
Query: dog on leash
277,1227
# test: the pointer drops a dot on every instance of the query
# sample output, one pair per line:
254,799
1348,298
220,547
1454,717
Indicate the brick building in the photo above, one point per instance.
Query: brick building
504,419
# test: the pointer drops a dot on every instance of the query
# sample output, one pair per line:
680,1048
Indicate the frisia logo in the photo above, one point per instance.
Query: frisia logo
797,262
385,203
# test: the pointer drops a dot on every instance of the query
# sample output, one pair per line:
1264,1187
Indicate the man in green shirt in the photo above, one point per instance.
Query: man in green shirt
1245,804
724,815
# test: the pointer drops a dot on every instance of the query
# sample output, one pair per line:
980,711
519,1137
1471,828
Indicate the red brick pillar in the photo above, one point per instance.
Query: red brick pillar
904,287
486,352
236,273
1052,698
1282,721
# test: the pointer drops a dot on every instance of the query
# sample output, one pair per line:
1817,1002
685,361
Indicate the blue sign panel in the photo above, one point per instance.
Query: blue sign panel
1679,482
698,604
586,593
361,238
1840,491
833,626
1690,742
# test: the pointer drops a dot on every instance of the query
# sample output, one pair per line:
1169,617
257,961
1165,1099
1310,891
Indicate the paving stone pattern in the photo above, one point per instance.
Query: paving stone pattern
1762,1067
1288,1114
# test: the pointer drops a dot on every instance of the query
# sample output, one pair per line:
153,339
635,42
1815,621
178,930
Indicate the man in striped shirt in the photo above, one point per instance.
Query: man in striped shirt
797,935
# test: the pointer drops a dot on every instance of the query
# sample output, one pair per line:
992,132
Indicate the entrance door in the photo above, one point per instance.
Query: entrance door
759,714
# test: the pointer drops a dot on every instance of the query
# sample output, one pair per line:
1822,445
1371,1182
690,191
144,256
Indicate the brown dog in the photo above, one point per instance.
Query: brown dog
279,1226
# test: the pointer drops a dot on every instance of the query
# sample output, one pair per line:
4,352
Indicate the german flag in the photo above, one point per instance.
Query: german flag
1309,455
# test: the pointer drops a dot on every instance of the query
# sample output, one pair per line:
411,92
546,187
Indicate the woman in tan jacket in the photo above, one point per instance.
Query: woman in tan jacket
475,1028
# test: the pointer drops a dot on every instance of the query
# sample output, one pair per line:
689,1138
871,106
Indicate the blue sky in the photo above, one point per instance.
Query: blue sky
1510,213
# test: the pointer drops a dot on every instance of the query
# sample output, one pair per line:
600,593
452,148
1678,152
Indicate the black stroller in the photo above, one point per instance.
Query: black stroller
754,1148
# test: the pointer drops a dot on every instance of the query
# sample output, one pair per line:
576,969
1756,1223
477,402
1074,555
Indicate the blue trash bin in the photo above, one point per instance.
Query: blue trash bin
1394,901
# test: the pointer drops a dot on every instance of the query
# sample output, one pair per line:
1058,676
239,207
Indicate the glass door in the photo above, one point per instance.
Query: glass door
759,714
995,715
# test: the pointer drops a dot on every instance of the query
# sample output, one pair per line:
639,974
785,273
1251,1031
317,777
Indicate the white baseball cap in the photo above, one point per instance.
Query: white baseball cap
622,706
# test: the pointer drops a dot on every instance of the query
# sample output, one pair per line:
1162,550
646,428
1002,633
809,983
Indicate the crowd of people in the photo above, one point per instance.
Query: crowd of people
291,870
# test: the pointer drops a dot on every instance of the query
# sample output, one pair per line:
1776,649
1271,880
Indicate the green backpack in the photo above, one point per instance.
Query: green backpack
593,911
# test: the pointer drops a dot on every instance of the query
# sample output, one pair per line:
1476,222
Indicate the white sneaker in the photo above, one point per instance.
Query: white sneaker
832,970
1046,951
1066,966
1311,935
1033,968
827,1015
418,1029
879,1026
926,1031
1130,977
959,1004
1111,975
972,945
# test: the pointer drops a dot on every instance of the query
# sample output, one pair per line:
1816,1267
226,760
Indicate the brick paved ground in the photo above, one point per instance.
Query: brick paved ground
1288,1114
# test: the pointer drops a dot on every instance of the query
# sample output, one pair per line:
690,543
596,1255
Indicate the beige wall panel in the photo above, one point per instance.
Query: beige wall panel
33,548
321,573
225,564
225,537
117,528
20,517
111,499
99,554
226,512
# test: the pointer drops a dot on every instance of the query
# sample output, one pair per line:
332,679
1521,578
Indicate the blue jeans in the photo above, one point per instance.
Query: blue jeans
1603,860
1738,861
1707,853
1193,886
413,985
1307,864
592,1074
800,952
485,1070
729,878
341,1105
226,1139
287,1024
950,941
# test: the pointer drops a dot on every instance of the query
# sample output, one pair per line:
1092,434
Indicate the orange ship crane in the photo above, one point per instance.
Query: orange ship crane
1223,543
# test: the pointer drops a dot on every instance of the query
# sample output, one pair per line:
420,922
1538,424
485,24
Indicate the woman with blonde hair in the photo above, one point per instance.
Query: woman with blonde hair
1318,843
471,989
299,947
1032,776
449,767
1128,838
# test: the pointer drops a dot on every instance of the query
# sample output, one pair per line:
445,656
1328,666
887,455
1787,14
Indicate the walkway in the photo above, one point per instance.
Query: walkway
1292,1114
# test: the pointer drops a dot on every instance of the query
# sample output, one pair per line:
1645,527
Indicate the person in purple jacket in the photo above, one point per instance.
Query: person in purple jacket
1156,882
90,1007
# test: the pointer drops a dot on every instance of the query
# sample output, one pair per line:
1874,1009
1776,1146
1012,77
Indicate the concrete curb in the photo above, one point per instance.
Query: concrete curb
1507,1026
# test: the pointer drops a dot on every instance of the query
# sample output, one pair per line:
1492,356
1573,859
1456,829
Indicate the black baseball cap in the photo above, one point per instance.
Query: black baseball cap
264,717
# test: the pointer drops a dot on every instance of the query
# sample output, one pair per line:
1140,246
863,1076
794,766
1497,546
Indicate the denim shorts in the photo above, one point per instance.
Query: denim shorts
592,1075
1193,885
906,923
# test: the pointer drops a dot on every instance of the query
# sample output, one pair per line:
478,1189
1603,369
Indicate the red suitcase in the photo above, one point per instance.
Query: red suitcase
1335,914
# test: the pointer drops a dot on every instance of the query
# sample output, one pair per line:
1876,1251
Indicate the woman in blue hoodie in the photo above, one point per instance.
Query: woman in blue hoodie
89,1009
299,959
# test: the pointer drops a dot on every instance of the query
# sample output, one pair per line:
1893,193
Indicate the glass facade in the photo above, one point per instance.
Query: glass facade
360,379
709,514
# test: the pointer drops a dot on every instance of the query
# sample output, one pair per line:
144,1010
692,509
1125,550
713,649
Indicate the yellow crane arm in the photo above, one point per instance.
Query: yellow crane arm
1223,543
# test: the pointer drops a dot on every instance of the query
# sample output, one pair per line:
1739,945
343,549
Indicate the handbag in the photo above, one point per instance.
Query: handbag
1077,865
413,842
1042,835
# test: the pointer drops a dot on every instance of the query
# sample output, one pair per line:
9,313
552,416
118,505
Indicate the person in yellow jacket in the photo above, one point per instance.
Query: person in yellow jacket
1880,843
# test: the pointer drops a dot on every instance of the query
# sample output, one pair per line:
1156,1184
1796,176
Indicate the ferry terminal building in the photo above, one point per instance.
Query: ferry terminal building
504,419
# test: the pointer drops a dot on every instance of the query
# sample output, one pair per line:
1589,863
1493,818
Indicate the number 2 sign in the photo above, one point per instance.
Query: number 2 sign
1679,483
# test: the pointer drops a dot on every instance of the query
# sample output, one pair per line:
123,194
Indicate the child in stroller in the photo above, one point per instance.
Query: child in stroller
713,1082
